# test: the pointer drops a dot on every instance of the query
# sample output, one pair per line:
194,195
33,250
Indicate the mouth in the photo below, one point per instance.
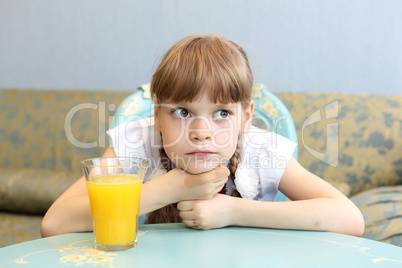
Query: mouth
200,153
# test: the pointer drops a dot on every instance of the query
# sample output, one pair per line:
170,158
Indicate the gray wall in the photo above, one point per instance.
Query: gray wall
308,45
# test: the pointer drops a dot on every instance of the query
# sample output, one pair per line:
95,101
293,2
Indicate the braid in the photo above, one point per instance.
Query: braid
233,164
167,214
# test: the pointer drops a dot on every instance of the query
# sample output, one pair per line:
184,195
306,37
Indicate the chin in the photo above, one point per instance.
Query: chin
199,168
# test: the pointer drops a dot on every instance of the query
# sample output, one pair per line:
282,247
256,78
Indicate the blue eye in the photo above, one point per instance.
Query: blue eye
181,113
222,114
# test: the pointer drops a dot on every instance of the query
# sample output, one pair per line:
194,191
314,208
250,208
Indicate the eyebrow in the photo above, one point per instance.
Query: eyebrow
217,106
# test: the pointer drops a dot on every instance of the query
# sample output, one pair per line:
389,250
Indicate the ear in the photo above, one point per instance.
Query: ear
247,117
157,115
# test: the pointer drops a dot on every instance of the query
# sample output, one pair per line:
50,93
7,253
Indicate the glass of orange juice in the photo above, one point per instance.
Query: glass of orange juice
114,189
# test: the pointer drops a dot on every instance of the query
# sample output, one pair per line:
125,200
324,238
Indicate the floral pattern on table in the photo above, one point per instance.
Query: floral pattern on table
76,255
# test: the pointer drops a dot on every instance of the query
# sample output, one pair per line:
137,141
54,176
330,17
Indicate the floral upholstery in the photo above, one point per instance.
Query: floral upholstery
38,161
369,152
382,208
32,127
17,228
369,143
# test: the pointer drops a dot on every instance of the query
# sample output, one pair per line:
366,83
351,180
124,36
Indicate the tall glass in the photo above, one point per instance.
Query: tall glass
114,189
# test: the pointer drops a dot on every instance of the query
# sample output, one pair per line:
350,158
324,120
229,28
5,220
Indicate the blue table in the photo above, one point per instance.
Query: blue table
174,245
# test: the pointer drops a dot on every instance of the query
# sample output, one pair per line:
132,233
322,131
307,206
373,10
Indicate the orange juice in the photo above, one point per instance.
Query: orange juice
114,201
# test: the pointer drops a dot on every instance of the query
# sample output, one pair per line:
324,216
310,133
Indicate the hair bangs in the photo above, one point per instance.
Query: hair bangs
203,64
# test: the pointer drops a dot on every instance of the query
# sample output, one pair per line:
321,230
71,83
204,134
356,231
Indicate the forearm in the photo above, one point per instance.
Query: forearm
73,214
321,214
155,194
66,216
178,185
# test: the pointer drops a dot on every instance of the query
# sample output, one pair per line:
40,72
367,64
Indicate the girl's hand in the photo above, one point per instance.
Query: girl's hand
207,214
178,185
197,186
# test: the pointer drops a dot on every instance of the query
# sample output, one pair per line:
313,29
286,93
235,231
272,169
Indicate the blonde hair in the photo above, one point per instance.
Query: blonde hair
196,65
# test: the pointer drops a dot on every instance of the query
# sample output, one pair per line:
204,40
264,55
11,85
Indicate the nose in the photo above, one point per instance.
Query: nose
200,129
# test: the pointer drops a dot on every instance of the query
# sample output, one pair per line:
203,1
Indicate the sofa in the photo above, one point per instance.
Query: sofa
352,141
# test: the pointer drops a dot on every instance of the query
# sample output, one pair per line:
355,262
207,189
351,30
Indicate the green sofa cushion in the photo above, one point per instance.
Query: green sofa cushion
32,190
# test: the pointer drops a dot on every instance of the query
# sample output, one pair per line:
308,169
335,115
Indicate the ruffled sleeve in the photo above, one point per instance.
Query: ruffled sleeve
137,139
127,139
264,157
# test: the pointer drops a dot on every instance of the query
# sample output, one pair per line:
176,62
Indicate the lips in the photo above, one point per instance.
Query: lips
201,153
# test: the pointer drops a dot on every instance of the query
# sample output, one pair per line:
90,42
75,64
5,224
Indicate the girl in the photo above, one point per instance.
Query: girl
201,135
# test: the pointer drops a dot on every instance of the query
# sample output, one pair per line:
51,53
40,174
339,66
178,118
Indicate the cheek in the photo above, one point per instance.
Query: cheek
172,133
171,140
226,136
230,152
170,149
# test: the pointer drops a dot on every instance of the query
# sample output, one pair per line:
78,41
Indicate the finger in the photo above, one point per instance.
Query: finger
221,173
187,215
190,223
185,205
222,180
216,175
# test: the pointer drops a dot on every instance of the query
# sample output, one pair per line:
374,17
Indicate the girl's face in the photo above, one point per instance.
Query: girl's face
198,136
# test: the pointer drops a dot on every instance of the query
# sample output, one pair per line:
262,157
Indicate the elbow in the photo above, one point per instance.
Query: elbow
359,223
351,222
359,226
355,225
48,227
56,224
45,228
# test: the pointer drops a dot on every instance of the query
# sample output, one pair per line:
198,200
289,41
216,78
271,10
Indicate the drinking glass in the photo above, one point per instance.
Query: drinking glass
114,189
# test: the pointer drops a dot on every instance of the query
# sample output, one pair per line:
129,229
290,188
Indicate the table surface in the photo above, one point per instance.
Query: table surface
174,245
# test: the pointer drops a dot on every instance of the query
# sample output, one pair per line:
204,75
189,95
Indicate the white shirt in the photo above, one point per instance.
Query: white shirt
264,156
